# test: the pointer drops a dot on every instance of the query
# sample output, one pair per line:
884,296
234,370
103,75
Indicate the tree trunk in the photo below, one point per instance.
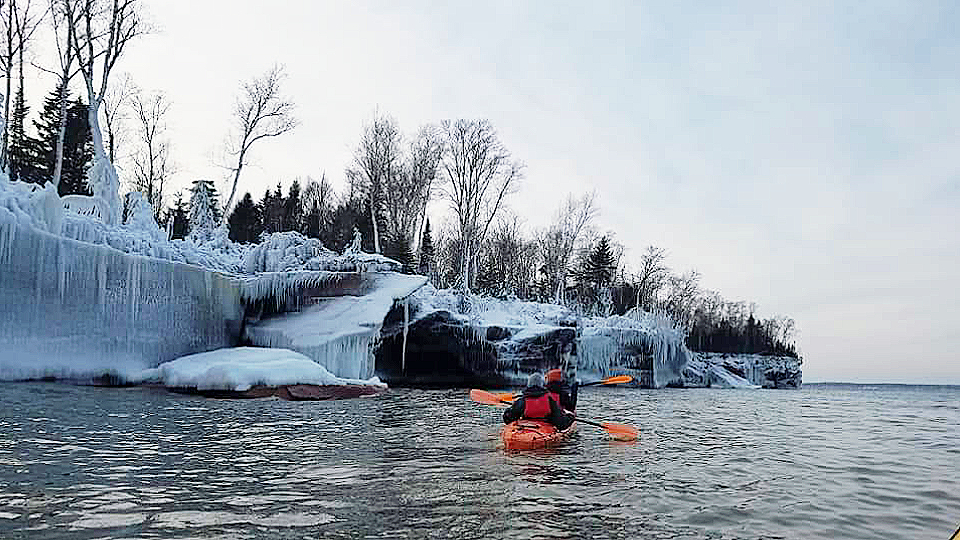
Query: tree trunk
61,133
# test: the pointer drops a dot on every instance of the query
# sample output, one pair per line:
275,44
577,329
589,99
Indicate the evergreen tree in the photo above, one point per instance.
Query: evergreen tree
426,251
292,209
600,266
245,221
23,159
178,213
204,208
77,145
397,247
271,208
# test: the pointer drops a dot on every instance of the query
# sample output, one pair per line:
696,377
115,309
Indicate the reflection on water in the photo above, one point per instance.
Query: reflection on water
95,463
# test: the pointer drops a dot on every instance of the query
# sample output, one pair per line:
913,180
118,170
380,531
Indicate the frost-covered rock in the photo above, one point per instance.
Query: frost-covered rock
291,251
464,340
742,370
31,205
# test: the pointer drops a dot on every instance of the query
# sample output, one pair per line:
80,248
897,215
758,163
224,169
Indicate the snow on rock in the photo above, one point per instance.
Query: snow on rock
519,337
339,332
742,371
241,368
289,251
30,205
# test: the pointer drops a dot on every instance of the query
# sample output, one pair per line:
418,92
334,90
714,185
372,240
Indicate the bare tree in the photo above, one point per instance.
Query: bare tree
317,200
152,166
114,104
653,274
18,22
103,29
407,193
478,174
378,164
260,112
681,297
424,166
570,225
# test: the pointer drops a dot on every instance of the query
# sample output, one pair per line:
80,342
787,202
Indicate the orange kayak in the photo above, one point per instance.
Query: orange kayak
531,434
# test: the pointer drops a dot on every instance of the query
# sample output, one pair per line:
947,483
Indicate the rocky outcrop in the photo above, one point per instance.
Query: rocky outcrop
741,370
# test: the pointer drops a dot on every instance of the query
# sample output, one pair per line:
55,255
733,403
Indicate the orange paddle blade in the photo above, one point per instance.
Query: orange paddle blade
505,397
620,379
488,398
621,432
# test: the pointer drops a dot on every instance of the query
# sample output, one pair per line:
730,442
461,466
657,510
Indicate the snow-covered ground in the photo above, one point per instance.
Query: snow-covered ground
241,368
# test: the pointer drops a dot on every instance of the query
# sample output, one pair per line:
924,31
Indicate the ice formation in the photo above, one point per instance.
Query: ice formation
95,299
605,345
339,332
240,368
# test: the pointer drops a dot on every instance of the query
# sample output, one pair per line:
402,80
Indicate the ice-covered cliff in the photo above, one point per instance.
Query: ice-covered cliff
720,370
471,340
84,300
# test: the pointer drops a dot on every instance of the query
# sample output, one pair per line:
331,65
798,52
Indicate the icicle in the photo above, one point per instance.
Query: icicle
406,324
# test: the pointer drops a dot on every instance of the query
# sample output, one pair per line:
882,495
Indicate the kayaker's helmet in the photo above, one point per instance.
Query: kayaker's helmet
535,380
554,375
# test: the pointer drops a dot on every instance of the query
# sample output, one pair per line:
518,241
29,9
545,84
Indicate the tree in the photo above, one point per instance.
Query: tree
22,161
204,210
317,206
570,225
407,197
377,162
103,31
245,221
178,214
114,112
478,175
271,211
292,216
600,266
260,112
152,166
653,274
63,16
67,136
426,252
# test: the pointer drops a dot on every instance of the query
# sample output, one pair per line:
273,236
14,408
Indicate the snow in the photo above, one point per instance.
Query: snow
605,345
241,368
339,331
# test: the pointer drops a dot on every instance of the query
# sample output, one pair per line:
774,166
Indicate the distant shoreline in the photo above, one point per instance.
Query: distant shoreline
862,384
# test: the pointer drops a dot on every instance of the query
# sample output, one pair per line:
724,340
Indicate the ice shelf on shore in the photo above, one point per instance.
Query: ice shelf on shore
87,299
339,331
241,368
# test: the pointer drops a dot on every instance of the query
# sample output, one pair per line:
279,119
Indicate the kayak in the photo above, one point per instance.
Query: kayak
531,434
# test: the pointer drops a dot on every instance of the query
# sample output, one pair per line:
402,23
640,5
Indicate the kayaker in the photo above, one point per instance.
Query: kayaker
536,404
565,394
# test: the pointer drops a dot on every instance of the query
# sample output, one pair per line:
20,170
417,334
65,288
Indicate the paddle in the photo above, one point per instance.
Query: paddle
621,432
619,379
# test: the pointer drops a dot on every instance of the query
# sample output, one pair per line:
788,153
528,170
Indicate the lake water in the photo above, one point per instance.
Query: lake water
822,462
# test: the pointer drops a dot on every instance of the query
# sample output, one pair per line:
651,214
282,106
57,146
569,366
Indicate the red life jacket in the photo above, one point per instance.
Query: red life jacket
536,407
555,396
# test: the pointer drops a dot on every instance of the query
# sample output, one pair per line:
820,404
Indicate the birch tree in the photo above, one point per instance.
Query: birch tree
114,108
478,174
377,165
103,30
570,224
18,22
261,112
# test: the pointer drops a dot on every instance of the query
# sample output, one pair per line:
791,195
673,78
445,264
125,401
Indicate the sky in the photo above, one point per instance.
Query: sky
801,155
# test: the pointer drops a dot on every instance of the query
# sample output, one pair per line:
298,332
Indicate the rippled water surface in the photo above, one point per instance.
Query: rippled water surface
822,462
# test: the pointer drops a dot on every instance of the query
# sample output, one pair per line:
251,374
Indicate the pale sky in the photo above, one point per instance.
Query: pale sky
801,155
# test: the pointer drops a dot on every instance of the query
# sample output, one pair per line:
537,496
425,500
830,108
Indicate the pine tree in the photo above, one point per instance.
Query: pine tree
77,145
292,209
397,247
426,251
204,208
600,267
23,159
178,213
245,221
271,208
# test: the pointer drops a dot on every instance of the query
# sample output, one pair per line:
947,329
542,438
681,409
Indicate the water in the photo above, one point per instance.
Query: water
822,462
